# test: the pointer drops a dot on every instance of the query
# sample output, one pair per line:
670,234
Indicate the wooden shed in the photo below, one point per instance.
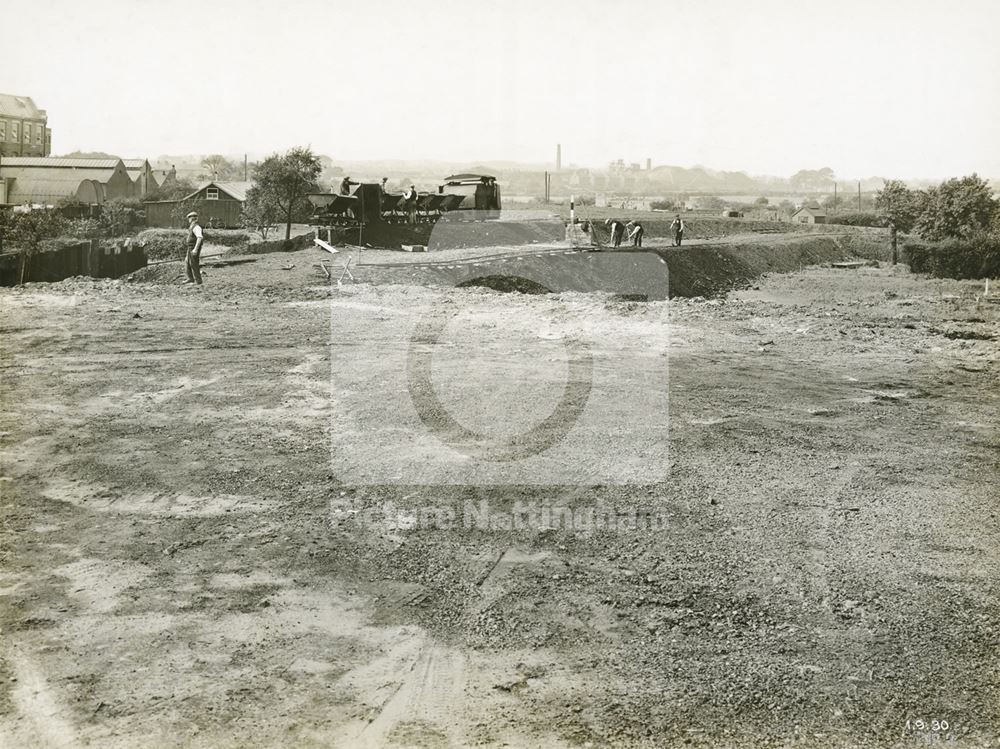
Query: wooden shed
219,204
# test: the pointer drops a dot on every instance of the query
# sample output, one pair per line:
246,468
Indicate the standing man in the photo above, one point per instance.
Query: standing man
195,239
410,201
678,229
345,186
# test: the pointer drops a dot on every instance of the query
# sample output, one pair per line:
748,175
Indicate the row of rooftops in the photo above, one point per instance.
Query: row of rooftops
42,162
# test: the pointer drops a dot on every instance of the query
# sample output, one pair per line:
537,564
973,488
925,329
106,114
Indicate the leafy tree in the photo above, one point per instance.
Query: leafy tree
221,168
260,212
172,190
27,231
117,216
956,208
832,203
897,203
761,201
812,179
285,179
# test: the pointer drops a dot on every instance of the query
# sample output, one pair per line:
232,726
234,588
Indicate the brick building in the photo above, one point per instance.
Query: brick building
24,129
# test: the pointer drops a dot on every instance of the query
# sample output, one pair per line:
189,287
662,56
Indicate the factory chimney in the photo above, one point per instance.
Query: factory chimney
649,165
558,157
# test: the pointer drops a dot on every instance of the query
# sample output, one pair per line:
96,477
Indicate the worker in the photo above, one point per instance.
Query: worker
345,186
635,232
410,202
195,239
677,227
617,229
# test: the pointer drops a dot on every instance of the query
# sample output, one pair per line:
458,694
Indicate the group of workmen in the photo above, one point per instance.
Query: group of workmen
634,231
409,196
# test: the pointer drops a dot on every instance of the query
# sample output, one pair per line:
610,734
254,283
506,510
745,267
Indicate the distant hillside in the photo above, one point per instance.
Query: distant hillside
89,155
699,179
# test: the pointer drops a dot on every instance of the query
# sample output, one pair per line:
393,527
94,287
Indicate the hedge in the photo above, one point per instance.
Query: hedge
282,245
975,257
856,219
164,244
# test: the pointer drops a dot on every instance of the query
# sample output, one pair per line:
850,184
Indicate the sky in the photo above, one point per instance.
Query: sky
895,88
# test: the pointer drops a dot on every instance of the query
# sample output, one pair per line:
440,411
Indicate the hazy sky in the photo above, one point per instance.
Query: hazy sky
907,88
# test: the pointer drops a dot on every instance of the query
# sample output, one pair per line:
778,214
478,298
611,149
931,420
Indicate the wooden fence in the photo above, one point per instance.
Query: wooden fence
95,258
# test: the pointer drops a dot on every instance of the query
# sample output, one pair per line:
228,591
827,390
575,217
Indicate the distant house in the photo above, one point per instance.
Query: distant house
27,180
218,204
810,213
24,127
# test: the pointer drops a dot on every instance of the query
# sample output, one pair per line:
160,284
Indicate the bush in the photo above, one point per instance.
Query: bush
975,257
856,219
84,228
662,205
163,244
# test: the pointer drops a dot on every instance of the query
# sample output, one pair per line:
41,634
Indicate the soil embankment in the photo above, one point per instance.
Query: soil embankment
708,270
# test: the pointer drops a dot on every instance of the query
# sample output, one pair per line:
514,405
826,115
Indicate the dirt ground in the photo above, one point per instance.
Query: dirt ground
192,554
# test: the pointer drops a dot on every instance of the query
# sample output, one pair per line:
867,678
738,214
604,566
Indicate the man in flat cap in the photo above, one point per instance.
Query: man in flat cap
194,241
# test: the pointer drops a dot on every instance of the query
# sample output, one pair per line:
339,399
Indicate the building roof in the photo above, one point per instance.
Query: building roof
813,209
468,177
20,107
36,189
133,164
47,161
24,173
236,190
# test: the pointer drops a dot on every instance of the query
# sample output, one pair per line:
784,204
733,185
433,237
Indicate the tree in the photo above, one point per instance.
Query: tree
956,208
221,168
171,190
832,204
897,203
260,211
285,179
118,215
812,179
761,201
26,231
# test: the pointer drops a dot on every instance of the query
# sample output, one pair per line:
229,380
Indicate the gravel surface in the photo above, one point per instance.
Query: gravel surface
194,557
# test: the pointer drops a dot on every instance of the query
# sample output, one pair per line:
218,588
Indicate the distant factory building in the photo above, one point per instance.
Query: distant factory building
810,213
24,128
26,180
142,176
